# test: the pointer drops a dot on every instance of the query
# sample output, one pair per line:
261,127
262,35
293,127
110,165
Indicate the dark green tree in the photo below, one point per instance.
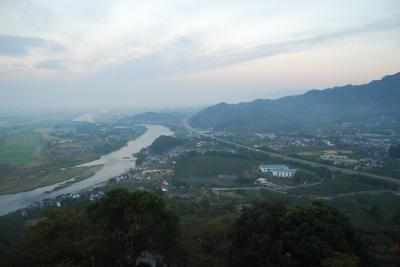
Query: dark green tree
375,213
302,176
131,224
61,239
257,237
394,151
271,235
114,231
396,218
164,143
314,233
341,260
205,242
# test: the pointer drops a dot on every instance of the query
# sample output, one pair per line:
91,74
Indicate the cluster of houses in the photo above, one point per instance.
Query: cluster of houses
265,182
59,201
278,170
332,156
278,142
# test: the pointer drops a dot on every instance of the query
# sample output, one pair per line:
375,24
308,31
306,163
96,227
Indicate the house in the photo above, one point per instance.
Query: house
333,158
164,189
261,181
278,170
24,212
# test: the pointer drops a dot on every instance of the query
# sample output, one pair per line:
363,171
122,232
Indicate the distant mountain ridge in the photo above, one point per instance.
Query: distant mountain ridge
311,109
156,118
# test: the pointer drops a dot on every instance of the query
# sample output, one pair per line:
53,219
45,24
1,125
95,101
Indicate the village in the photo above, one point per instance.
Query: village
162,167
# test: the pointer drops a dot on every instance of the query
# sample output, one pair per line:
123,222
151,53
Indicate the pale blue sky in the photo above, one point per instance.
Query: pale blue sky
135,54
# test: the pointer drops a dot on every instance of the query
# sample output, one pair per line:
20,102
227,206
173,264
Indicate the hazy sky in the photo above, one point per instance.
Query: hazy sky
102,54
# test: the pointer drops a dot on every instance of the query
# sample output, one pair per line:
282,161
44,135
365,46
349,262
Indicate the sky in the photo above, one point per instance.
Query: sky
72,54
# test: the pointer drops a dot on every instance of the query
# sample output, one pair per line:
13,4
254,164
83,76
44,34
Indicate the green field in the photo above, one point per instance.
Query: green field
341,184
18,183
20,148
211,165
358,208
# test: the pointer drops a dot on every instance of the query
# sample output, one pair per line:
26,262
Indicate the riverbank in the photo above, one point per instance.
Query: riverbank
115,163
58,176
57,157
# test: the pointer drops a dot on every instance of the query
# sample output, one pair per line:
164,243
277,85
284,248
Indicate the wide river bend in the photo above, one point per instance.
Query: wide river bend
114,164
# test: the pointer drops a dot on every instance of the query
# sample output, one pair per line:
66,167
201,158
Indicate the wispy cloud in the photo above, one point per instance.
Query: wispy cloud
99,48
51,64
185,54
295,44
16,46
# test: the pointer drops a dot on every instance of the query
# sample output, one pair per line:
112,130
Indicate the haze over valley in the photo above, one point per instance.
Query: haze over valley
188,133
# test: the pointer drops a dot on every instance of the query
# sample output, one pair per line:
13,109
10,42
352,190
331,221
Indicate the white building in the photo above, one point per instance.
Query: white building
278,170
284,173
270,168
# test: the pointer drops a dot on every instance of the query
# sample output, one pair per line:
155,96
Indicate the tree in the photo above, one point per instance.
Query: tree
394,151
164,143
271,235
62,239
375,213
133,223
114,231
314,233
396,218
205,242
257,237
301,176
341,260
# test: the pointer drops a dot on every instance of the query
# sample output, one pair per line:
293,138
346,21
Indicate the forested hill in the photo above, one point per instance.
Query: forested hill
311,109
157,117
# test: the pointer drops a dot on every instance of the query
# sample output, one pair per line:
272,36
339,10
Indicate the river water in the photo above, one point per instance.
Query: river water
114,164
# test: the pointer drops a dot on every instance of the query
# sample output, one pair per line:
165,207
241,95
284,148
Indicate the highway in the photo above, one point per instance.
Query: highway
186,125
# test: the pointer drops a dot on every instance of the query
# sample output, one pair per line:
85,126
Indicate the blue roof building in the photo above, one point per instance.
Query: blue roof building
270,168
278,170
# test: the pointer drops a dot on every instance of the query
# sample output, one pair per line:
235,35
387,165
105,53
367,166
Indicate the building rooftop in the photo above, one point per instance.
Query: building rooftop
274,167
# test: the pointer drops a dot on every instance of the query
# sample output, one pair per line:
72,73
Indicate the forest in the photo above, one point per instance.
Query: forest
140,229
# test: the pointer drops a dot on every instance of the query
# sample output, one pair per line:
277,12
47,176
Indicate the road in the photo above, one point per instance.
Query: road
186,125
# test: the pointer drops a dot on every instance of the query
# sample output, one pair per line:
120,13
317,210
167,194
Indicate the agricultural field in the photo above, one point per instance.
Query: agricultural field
17,183
368,211
342,184
34,151
21,148
211,165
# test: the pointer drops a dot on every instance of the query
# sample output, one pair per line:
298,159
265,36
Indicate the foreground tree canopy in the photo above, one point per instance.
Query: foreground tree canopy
271,235
137,229
115,231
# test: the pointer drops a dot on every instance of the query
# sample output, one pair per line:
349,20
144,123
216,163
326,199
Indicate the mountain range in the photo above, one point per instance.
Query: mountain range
315,108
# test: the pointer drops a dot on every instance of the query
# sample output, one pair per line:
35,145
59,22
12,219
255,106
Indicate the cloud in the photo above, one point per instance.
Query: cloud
51,64
294,45
16,46
188,53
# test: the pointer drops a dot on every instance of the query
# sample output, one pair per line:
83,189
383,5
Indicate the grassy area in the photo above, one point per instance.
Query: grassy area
20,148
391,169
342,184
13,184
211,165
45,133
32,156
359,207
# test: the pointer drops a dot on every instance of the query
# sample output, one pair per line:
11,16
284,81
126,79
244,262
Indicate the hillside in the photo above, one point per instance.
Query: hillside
156,118
313,108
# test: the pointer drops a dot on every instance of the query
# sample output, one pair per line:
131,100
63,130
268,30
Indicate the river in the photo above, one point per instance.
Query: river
114,164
